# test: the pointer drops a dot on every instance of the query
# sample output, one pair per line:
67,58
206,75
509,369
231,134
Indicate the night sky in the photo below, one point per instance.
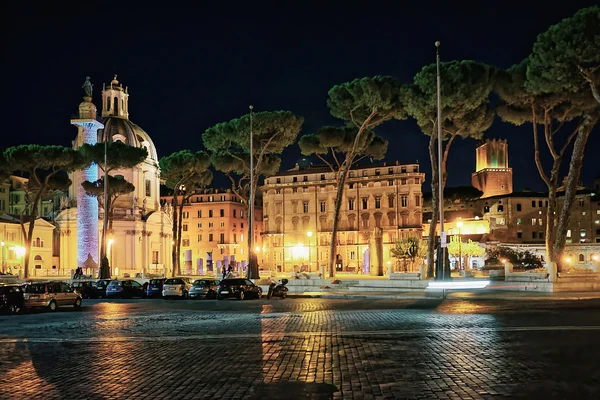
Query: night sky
189,69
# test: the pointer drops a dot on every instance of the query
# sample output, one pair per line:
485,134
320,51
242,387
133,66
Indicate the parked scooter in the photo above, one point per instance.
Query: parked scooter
278,290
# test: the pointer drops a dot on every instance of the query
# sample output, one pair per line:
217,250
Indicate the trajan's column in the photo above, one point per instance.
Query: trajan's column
87,206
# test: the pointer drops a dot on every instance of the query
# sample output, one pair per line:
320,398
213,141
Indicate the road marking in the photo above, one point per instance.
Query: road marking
273,335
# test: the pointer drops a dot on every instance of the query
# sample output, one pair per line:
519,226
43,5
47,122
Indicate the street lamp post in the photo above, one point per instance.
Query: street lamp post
459,225
309,234
3,244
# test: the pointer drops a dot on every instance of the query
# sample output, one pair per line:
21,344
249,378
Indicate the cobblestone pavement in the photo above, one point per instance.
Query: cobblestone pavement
303,349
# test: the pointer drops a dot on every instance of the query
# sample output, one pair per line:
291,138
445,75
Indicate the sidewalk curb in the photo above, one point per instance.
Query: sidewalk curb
448,297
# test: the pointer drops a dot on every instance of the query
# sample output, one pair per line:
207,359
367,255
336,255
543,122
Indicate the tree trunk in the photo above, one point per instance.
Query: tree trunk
252,258
434,208
550,216
571,186
174,247
336,216
179,230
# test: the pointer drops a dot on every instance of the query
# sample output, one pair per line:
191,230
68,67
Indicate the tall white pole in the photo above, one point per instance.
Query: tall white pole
440,172
251,201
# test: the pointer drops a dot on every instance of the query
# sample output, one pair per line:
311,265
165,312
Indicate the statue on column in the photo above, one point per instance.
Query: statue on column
135,206
144,206
87,87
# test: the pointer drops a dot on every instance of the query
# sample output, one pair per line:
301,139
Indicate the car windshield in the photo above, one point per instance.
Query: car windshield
174,281
100,284
35,289
201,282
155,282
114,283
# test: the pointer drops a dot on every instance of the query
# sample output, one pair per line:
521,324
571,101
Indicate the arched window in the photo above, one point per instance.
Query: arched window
295,223
37,262
391,218
116,108
38,242
278,226
108,103
581,258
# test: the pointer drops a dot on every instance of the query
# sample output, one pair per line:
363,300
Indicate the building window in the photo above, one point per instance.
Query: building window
351,186
199,213
520,235
295,179
185,242
581,202
199,238
222,238
148,188
390,201
305,179
581,258
533,221
417,200
403,170
518,206
322,204
210,213
390,170
404,201
211,198
403,181
186,214
199,224
242,214
486,209
155,257
569,233
278,191
221,213
235,213
294,190
500,208
377,202
305,207
519,221
377,172
234,238
350,204
185,227
365,203
352,255
540,221
351,175
500,221
278,180
534,235
533,203
304,189
322,177
364,173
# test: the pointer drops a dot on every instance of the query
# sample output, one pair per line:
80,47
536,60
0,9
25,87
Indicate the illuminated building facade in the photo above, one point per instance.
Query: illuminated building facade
381,204
215,231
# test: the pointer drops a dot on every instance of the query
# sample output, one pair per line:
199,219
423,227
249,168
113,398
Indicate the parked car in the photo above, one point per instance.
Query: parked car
155,287
88,289
176,287
101,285
125,289
204,288
238,288
11,298
50,295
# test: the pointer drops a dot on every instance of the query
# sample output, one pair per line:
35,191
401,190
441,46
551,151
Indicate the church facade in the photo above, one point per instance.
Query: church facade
140,235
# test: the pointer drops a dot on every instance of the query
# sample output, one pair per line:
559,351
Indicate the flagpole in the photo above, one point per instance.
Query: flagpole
440,172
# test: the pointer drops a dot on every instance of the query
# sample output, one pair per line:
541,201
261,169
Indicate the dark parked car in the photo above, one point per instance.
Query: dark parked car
88,289
204,288
125,289
155,287
101,285
238,288
11,298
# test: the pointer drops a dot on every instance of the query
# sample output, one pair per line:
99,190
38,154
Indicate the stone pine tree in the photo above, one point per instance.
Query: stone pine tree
118,156
409,249
183,172
558,120
42,165
333,145
565,62
117,186
466,113
363,104
567,56
229,147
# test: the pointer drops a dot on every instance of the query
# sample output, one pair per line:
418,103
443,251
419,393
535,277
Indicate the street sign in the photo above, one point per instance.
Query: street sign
443,240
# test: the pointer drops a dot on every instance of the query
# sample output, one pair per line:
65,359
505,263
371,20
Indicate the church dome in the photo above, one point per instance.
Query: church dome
123,130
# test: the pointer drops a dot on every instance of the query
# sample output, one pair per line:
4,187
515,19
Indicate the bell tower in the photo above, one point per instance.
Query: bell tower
492,174
115,100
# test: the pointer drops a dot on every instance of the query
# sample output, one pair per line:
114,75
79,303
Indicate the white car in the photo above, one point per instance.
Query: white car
176,287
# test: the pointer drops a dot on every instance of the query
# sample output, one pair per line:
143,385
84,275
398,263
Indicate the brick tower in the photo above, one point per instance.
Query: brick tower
492,175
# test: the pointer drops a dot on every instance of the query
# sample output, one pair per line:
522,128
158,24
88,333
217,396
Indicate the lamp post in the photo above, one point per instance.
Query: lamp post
3,244
459,225
440,174
309,234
